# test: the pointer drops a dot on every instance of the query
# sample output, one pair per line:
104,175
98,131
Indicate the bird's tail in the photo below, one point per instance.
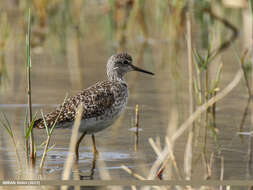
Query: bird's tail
49,119
39,123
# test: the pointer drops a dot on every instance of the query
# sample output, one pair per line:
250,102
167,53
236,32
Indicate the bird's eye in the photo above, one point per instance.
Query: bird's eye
125,62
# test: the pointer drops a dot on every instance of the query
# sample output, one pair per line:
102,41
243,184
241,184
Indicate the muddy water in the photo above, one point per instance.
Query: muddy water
69,64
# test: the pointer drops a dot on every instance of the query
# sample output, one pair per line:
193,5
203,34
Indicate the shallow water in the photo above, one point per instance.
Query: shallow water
67,67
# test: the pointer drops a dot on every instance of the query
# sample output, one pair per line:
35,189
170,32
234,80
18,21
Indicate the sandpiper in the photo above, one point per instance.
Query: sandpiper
102,102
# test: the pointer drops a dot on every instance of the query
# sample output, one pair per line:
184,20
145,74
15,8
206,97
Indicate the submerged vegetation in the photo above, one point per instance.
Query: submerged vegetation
165,36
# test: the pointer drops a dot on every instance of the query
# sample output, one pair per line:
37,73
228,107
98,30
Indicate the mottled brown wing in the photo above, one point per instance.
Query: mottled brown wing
96,100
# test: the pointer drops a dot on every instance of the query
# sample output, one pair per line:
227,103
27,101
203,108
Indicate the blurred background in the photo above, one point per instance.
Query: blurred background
71,42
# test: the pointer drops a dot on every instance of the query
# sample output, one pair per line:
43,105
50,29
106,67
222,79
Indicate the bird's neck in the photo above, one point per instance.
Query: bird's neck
116,76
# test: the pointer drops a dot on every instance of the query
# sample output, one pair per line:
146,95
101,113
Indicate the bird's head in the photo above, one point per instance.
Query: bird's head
121,63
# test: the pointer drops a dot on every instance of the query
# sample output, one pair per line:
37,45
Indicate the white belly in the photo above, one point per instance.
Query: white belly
93,125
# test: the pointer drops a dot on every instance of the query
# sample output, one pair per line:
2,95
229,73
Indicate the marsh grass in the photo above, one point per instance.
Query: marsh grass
29,90
49,134
168,151
28,131
203,93
137,127
246,66
30,147
29,118
7,126
24,168
206,91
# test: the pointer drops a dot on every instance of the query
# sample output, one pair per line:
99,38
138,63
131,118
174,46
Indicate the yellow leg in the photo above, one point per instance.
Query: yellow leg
92,171
77,145
95,152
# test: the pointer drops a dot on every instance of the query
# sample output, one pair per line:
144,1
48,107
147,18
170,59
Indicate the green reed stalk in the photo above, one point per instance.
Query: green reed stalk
29,89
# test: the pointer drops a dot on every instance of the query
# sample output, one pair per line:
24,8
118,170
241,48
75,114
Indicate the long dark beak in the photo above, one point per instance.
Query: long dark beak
141,70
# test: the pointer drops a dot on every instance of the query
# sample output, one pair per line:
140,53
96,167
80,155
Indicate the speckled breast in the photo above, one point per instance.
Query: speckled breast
96,124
